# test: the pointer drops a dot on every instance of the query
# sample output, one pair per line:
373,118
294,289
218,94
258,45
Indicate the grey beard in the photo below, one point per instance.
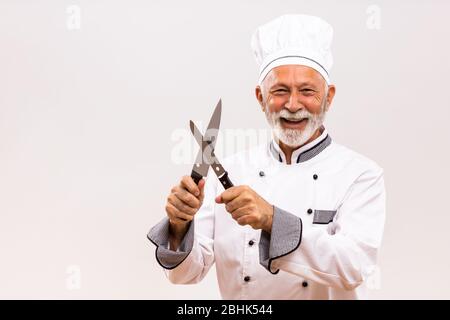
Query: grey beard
294,137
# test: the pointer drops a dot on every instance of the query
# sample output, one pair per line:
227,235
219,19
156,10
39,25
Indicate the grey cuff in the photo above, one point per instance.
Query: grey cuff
159,236
285,237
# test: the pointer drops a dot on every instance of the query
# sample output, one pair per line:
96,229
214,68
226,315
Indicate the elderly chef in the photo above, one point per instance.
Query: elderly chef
306,215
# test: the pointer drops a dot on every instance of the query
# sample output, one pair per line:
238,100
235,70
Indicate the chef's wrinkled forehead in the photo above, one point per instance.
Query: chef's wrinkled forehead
293,39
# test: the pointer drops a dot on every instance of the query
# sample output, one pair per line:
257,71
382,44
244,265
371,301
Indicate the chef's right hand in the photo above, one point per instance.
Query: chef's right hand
183,203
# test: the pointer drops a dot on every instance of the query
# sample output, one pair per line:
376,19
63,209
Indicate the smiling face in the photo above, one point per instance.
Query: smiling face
295,100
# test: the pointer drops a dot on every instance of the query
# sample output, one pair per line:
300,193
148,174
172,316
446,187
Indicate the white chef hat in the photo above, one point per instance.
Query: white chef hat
293,39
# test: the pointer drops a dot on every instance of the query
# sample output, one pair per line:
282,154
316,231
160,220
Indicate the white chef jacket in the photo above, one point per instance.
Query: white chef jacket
329,212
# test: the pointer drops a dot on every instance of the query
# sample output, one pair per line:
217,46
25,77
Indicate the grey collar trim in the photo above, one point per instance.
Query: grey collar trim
314,151
307,154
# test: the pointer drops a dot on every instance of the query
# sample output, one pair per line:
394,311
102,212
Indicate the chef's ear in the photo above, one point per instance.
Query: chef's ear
259,97
330,96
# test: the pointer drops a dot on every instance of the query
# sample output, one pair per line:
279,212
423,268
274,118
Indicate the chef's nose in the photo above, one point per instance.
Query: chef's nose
293,104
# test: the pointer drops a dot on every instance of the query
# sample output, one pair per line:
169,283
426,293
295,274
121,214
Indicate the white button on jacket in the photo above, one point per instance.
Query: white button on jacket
327,227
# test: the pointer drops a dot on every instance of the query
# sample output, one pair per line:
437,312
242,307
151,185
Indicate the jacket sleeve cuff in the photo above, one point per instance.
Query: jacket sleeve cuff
159,236
285,237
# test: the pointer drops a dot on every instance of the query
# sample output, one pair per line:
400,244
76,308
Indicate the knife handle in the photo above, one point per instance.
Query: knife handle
196,177
225,181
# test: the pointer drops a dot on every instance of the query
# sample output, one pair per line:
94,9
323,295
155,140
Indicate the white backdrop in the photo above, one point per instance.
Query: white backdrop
94,95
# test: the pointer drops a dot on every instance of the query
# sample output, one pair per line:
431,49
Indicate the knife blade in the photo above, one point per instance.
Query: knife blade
209,156
200,167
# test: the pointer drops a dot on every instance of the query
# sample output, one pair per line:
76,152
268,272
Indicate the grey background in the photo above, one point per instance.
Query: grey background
87,119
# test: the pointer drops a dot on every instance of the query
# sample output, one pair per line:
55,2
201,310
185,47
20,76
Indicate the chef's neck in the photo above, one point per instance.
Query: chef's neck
288,150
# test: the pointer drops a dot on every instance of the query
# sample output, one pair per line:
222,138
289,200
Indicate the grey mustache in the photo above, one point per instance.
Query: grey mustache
293,119
294,116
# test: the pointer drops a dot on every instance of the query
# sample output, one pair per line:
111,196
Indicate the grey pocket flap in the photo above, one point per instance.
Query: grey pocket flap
324,216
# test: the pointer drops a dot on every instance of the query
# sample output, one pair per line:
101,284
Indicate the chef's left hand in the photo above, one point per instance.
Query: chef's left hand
247,207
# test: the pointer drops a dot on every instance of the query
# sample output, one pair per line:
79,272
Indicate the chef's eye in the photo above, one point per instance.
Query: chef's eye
307,91
280,91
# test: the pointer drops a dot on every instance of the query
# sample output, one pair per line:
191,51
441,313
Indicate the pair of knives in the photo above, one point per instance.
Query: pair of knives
205,156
